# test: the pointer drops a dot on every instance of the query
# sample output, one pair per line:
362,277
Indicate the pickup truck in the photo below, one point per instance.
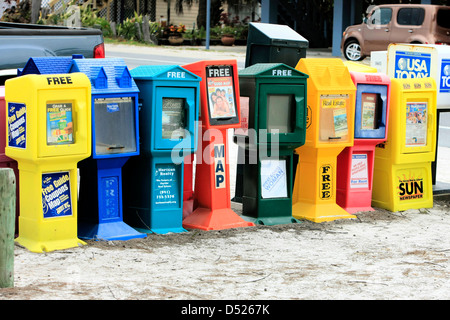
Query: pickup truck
19,42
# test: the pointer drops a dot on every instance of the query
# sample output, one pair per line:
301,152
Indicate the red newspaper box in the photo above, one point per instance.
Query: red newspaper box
355,163
219,111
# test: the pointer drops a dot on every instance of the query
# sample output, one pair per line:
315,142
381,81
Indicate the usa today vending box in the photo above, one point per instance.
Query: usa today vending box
169,102
402,169
422,61
276,98
49,130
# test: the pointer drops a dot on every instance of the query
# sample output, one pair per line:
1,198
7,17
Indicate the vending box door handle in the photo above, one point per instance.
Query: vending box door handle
432,127
190,105
300,114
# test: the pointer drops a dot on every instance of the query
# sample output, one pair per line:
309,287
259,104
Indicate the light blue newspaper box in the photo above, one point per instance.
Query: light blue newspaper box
169,102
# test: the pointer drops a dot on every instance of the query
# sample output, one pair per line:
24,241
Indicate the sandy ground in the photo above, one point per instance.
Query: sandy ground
378,255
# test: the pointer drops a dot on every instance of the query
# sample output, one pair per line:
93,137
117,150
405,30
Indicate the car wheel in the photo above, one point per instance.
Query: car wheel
352,51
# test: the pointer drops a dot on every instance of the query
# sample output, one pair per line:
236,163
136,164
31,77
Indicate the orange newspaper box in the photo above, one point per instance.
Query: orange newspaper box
219,111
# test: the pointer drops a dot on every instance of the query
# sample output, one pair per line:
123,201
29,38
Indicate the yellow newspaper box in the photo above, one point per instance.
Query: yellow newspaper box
329,129
359,67
402,168
48,129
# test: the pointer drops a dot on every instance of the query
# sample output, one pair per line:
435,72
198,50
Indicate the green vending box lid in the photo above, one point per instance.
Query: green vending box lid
274,43
272,70
267,33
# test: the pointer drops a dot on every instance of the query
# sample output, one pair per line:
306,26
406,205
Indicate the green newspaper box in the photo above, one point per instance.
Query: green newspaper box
273,118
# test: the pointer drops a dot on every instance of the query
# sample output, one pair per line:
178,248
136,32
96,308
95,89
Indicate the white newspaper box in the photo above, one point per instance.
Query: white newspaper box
378,60
422,61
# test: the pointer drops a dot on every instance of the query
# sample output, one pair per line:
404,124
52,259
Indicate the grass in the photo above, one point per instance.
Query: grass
126,41
110,40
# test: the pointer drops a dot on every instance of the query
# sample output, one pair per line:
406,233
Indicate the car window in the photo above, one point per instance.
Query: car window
381,16
410,16
443,18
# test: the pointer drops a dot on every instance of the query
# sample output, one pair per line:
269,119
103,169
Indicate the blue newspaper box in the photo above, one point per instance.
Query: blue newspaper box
48,65
115,139
169,102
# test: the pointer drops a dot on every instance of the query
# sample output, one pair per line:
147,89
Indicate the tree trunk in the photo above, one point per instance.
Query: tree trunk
215,13
35,8
201,16
168,13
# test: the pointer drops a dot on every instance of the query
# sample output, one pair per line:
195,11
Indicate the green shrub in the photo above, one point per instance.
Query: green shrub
127,29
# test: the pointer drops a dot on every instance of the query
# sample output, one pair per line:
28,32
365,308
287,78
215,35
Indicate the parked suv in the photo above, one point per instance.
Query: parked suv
396,23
